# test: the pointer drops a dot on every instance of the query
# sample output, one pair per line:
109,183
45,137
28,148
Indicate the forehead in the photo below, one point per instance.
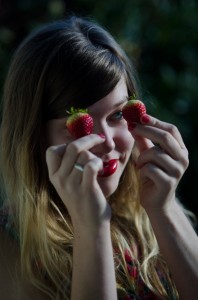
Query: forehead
116,97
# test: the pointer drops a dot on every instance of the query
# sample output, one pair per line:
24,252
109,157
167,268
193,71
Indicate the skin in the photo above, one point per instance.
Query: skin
161,168
87,204
117,144
162,161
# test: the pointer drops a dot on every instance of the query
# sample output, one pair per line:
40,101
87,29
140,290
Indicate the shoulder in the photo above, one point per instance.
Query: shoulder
12,286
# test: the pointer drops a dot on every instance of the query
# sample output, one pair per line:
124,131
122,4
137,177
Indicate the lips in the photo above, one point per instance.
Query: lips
109,168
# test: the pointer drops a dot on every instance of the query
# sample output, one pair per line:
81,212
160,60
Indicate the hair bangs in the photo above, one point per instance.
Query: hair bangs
100,74
87,71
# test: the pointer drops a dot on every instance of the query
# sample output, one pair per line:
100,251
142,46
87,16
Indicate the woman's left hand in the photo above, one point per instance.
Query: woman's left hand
162,161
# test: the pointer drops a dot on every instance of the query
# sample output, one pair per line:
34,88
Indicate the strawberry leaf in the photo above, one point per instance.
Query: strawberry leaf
73,111
133,97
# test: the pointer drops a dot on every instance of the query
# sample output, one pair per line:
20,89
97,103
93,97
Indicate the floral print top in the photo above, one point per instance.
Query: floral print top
142,292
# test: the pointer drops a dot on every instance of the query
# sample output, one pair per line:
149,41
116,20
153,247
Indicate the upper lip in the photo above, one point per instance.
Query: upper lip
110,160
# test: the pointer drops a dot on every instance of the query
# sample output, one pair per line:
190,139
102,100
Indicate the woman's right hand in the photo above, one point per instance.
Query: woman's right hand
79,191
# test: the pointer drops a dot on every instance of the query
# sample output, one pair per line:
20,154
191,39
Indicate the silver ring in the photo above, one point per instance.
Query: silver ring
79,167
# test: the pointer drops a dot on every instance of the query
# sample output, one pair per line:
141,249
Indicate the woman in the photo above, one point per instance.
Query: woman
80,234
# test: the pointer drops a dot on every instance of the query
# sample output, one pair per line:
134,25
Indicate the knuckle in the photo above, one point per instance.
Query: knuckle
84,156
98,161
148,168
73,148
93,135
172,129
178,172
186,162
95,163
187,154
166,137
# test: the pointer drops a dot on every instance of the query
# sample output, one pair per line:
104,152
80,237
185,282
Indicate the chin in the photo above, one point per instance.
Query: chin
108,187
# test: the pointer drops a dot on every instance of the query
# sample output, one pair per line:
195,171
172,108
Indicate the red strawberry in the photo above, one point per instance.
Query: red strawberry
133,111
80,123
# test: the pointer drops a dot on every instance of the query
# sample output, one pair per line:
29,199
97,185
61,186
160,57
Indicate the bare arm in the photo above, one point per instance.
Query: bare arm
93,268
162,162
179,244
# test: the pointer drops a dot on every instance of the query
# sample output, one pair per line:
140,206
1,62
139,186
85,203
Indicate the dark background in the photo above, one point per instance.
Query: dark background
162,37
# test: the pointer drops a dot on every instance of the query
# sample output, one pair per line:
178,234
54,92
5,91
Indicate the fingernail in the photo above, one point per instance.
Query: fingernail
145,118
102,135
131,126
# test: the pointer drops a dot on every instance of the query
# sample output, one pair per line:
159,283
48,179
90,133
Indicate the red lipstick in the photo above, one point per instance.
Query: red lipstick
109,168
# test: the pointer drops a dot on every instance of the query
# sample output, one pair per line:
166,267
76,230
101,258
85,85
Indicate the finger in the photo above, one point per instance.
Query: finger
142,143
160,179
162,160
54,156
77,174
172,129
91,170
73,150
163,138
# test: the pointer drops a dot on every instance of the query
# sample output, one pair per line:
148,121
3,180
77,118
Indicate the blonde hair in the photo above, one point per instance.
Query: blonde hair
46,237
34,92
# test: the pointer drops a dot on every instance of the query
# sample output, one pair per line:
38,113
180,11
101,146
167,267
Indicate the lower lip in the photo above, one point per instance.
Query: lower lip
109,168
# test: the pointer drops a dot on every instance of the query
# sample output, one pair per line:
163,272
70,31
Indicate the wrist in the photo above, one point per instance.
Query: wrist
165,219
92,231
165,210
92,223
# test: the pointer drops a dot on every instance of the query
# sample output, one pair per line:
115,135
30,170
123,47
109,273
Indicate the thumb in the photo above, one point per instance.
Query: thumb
142,143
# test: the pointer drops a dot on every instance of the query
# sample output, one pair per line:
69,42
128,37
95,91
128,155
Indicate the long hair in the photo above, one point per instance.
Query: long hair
73,62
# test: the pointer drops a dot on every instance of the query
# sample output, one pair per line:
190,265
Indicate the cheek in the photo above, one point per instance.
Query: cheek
124,140
56,137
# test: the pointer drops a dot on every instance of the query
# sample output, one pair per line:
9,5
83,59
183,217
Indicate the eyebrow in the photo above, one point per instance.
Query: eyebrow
121,102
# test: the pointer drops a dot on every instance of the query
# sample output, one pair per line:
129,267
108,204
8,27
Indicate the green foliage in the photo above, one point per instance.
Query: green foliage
159,35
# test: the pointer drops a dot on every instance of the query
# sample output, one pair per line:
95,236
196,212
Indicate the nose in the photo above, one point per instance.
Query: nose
109,143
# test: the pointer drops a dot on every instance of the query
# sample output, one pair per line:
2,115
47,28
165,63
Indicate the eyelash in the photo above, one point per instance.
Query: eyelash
120,117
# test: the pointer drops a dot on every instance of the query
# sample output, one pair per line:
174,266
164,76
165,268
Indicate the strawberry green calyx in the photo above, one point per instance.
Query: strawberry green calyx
79,122
74,110
133,97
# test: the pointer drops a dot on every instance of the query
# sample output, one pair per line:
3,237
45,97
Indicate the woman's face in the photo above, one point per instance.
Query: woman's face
108,120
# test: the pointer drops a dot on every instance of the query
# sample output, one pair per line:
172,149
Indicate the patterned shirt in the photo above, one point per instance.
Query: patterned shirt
142,292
